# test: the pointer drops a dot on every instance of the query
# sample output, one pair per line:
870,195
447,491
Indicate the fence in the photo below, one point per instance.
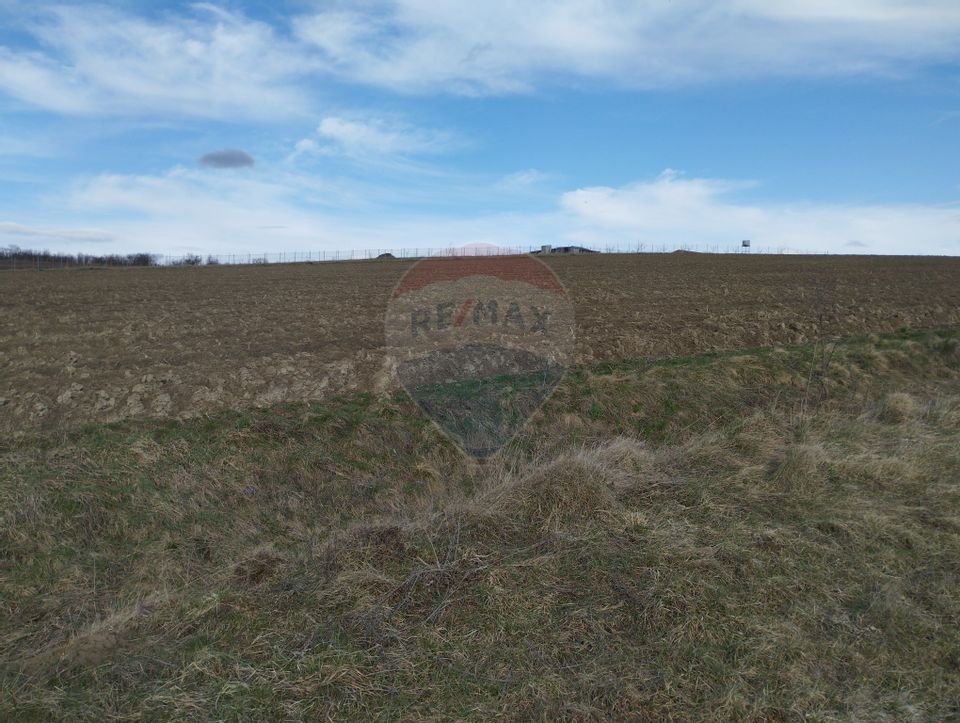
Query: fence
21,260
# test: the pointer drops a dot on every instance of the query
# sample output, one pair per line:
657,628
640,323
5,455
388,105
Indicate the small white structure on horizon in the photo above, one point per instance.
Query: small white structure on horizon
548,249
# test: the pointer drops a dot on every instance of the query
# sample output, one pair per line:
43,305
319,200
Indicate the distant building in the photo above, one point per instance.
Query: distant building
545,249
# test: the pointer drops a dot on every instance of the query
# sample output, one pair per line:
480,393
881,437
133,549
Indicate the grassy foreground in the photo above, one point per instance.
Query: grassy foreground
766,535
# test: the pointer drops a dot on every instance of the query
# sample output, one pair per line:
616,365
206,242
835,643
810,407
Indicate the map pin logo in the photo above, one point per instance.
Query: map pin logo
480,339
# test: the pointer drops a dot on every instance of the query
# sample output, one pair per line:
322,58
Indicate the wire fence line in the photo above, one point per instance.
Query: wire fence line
20,260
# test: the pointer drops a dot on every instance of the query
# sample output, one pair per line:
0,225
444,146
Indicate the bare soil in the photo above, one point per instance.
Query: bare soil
101,345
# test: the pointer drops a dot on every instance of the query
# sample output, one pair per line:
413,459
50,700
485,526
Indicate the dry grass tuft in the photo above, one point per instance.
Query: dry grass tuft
897,407
262,563
950,348
572,489
797,468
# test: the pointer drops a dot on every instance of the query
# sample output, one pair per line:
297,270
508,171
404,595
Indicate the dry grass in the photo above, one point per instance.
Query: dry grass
897,407
665,540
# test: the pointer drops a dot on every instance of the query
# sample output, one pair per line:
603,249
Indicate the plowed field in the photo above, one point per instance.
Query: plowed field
79,346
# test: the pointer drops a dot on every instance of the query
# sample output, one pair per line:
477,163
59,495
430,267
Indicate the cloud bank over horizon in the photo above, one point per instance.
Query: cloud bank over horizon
185,211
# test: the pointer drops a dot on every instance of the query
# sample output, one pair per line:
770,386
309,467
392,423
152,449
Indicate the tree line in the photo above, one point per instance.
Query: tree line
13,256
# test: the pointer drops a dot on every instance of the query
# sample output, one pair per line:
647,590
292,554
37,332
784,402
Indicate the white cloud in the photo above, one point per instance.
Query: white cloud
189,210
675,210
212,63
193,210
525,180
41,81
209,64
502,46
12,232
370,136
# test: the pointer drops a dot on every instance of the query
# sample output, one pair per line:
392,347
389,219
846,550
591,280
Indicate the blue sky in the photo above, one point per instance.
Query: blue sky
827,125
